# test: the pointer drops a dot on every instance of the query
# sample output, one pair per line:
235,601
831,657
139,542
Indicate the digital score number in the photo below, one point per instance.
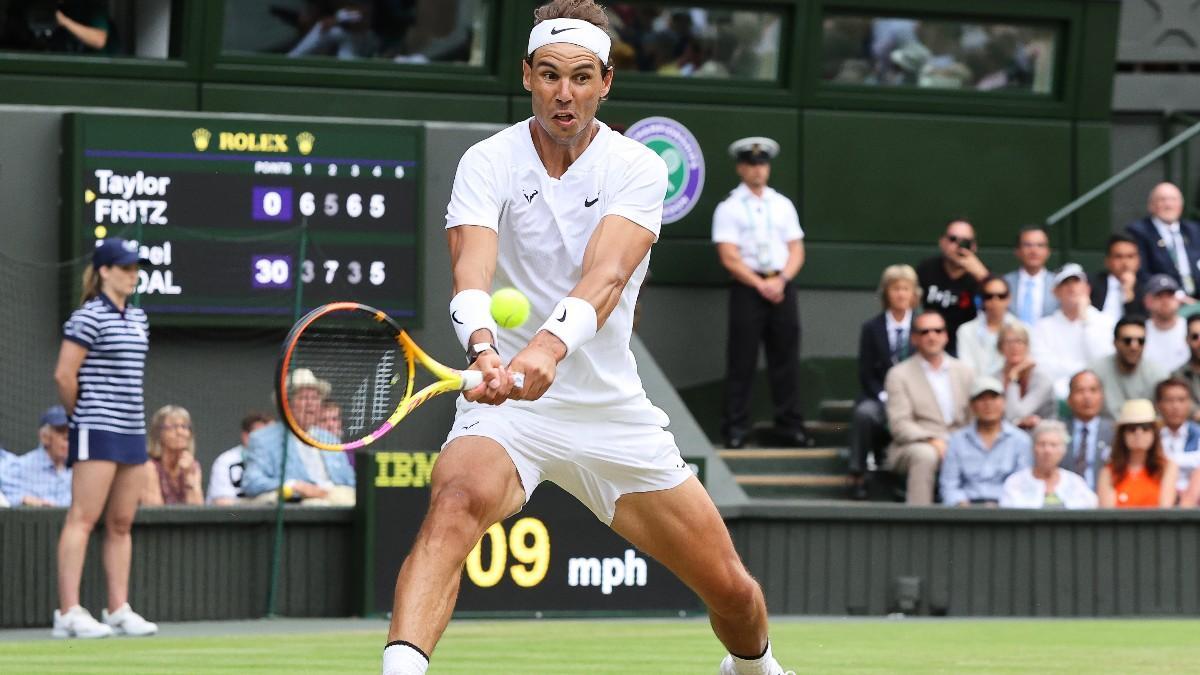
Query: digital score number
275,271
529,543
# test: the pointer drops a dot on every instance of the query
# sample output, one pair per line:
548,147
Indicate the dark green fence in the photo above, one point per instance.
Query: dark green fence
189,564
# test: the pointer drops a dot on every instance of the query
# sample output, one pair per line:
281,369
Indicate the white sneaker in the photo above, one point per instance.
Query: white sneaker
776,669
78,623
125,621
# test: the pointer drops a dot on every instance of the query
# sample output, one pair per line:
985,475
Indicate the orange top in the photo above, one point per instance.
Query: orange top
1137,489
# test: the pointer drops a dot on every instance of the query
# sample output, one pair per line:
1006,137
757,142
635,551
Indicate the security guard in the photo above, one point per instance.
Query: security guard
760,242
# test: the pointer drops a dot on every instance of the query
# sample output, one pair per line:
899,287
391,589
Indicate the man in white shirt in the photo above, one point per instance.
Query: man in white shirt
579,249
1180,435
1166,331
225,479
1065,342
760,243
1117,289
927,396
1030,284
1168,243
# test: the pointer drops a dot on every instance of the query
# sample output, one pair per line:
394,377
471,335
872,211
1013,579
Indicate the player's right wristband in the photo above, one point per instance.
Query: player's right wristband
471,310
573,321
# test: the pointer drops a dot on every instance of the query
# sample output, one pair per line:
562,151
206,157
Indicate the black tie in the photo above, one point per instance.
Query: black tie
1081,459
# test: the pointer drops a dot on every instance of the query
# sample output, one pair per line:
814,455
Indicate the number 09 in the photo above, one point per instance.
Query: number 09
533,557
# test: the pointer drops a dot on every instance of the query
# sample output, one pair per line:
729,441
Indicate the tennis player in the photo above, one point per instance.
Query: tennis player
565,210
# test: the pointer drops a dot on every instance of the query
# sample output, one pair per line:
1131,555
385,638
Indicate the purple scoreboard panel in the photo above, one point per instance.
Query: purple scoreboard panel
246,221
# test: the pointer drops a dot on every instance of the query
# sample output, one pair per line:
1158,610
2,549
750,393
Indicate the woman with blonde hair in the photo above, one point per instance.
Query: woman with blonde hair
173,475
1028,392
882,343
99,376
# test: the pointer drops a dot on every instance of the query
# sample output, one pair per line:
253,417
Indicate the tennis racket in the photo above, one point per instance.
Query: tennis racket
347,373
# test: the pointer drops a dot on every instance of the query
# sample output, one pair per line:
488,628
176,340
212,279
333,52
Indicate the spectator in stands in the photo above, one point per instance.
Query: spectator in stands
225,479
950,281
1028,392
1166,331
1138,474
977,338
1065,342
883,342
1166,242
84,26
1190,371
345,32
1091,434
312,476
1046,484
1031,282
981,456
1126,374
41,476
926,401
1117,289
173,475
1180,435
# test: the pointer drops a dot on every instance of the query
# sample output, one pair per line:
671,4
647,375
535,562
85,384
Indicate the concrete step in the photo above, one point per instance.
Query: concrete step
794,486
837,410
767,461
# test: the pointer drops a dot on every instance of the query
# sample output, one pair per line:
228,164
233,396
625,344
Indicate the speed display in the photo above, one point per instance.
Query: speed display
249,221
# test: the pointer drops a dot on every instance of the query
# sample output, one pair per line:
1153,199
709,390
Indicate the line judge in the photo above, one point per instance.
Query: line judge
759,240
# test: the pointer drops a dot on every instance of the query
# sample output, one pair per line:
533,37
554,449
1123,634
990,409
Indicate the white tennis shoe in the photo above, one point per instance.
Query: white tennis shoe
776,669
125,621
78,623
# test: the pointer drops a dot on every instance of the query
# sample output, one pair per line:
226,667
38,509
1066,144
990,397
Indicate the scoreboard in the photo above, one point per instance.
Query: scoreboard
248,221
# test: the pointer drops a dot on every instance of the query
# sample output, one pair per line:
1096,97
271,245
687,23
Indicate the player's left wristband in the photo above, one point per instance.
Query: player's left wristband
471,310
573,321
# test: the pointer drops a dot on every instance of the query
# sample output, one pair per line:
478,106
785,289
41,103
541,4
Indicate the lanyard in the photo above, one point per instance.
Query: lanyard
761,232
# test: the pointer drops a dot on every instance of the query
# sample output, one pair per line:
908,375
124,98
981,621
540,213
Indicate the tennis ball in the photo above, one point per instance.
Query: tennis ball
510,307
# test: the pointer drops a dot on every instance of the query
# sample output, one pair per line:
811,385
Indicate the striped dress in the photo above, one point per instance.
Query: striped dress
109,419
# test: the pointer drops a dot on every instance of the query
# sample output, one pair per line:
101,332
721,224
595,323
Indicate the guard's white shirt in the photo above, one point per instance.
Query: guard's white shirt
1063,347
943,390
544,225
761,227
1168,348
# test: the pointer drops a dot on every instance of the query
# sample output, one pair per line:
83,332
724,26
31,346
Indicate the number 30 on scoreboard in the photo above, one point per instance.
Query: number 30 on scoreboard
529,543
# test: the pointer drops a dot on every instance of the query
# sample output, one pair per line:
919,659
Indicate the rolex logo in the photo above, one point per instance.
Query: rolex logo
201,137
304,141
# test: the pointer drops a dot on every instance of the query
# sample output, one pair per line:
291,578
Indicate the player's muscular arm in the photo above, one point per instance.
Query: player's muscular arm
473,262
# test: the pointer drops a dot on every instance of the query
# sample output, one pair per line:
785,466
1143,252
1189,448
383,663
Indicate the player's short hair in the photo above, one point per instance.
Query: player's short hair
584,10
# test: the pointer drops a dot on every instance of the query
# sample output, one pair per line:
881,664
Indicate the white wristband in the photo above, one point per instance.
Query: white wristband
573,321
471,310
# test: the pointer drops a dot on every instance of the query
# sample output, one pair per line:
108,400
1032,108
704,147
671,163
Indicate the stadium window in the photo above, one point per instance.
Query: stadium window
695,42
106,28
401,31
883,51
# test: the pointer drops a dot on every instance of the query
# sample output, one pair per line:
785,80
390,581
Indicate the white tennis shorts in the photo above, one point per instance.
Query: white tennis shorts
597,462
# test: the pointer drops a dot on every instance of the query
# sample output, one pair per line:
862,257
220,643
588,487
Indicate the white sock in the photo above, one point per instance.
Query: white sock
402,658
760,666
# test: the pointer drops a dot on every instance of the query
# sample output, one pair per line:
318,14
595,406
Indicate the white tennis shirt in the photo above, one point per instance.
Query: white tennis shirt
544,225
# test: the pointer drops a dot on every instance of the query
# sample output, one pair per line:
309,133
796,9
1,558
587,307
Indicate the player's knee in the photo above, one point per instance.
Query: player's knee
738,594
457,514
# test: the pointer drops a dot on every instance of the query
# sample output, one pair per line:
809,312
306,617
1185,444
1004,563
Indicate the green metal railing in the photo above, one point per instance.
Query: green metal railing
1128,172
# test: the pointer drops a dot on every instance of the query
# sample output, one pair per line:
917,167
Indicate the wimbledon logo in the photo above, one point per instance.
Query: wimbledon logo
685,163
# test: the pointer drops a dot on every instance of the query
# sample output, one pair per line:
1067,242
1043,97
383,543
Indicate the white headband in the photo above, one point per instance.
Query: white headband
572,31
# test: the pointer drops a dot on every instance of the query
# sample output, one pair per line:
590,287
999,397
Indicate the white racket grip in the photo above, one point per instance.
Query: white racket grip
474,378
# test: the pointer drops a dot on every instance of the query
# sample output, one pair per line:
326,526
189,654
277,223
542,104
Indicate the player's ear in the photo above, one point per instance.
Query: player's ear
526,74
608,80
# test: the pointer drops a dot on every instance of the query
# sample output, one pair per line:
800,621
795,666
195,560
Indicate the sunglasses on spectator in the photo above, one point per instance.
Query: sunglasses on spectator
926,331
963,242
1129,340
1145,426
995,296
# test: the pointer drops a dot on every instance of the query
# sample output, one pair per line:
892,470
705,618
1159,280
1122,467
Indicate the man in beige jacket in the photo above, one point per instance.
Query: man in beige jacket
927,399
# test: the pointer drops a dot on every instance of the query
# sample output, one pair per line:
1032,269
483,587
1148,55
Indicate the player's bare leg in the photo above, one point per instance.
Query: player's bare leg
474,485
682,529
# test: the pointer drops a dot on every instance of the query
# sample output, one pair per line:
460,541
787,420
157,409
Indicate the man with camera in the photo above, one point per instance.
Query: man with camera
950,281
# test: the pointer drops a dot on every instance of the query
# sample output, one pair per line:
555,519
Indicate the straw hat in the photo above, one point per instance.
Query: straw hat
303,377
1137,411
